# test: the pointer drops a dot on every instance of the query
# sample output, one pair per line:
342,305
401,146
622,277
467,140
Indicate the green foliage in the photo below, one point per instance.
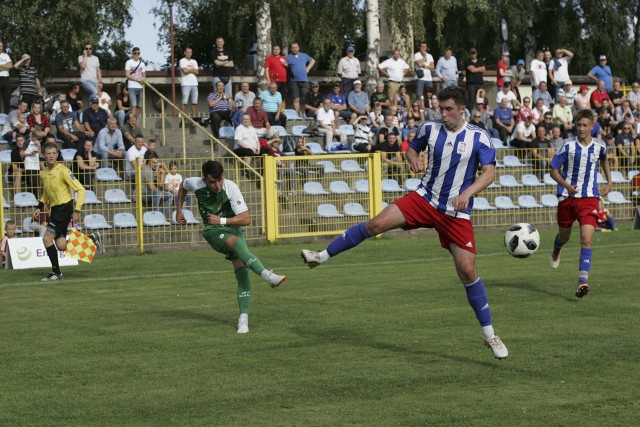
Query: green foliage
380,336
53,31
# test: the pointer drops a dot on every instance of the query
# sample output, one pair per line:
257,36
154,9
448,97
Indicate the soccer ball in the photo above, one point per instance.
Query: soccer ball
521,240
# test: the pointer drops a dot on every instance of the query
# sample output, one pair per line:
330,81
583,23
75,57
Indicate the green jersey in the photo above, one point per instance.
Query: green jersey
225,204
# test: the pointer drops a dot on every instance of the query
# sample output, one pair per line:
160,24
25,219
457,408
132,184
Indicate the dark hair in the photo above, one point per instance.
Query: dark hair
213,169
50,145
153,156
584,114
172,164
457,93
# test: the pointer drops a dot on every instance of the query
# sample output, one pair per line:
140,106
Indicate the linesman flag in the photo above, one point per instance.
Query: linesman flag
80,246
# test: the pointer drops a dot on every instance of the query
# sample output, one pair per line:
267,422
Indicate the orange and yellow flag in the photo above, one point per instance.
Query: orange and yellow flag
80,246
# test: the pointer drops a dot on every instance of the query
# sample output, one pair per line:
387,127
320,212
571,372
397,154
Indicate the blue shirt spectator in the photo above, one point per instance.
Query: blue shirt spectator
298,65
358,99
602,72
504,115
270,101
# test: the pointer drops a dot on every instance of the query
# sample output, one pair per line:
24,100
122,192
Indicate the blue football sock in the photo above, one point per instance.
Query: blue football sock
585,264
611,223
349,239
478,300
556,243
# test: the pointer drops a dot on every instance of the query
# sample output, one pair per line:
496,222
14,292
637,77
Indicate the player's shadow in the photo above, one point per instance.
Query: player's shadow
530,287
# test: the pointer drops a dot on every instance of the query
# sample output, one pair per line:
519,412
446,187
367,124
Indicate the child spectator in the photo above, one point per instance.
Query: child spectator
605,223
363,135
151,148
302,149
405,144
55,109
172,181
9,233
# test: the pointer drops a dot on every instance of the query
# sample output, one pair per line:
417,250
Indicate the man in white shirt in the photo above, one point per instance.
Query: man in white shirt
90,73
246,143
538,70
349,70
559,67
136,73
135,153
424,64
244,98
394,68
189,81
507,93
327,124
5,84
447,69
633,97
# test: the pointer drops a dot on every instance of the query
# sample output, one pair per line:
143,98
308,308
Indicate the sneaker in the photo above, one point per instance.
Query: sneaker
274,279
498,349
243,324
583,289
554,259
52,276
97,239
311,258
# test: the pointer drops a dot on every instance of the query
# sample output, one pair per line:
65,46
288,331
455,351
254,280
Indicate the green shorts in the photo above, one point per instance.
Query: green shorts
217,237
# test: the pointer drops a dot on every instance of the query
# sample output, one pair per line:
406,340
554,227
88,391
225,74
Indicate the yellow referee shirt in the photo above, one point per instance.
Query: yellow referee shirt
56,183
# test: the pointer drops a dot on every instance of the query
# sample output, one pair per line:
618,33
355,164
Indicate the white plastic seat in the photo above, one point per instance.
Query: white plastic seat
510,161
188,216
384,205
362,186
25,199
328,166
107,174
5,156
347,129
601,179
5,204
549,200
505,202
26,225
530,180
335,148
498,164
617,198
292,114
226,132
354,209
390,186
340,187
116,195
351,165
125,220
494,185
68,154
96,222
632,174
618,178
298,130
154,219
548,180
527,201
90,198
281,130
509,181
482,204
313,188
497,143
328,210
315,148
412,183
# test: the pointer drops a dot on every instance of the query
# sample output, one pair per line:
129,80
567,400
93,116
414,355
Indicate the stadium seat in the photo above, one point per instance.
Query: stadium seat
391,186
549,200
412,183
5,156
548,180
384,205
482,204
5,204
188,216
494,185
298,130
3,118
328,210
527,201
509,181
530,180
90,198
315,148
124,220
340,187
107,174
362,186
227,132
354,209
292,114
26,225
95,222
632,174
328,166
281,130
25,199
512,162
505,202
617,198
347,129
618,178
68,154
351,165
154,219
314,188
115,195
601,179
498,164
335,148
497,143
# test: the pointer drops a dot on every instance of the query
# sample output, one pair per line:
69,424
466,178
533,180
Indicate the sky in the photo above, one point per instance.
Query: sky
142,34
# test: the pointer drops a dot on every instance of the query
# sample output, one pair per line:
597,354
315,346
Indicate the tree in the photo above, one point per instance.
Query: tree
53,31
373,45
263,29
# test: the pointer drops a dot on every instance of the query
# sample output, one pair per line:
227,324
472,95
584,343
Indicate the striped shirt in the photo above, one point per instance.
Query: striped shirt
578,165
222,105
453,159
28,78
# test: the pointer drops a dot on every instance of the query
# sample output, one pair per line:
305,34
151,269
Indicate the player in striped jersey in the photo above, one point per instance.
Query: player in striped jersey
443,200
224,214
575,169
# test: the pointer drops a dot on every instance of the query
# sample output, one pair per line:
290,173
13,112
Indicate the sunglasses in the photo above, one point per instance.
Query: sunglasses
136,53
477,117
88,48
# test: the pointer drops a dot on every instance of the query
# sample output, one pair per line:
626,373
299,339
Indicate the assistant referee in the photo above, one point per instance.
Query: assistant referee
57,181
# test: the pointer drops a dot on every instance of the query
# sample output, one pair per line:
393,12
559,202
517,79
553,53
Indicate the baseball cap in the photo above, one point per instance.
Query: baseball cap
94,99
568,82
357,82
351,49
520,61
479,101
506,54
583,87
336,84
315,84
603,58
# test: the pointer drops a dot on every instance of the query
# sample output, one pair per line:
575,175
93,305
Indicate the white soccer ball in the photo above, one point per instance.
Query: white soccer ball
521,240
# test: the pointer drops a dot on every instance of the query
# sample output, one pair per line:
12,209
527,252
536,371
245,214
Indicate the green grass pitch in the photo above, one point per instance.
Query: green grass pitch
379,336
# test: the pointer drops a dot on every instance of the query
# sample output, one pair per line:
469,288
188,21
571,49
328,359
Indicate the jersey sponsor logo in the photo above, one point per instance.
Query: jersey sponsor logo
462,147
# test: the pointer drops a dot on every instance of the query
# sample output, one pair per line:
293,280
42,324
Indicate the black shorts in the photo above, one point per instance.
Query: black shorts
298,89
60,218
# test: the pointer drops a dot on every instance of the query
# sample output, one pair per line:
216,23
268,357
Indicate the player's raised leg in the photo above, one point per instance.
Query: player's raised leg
477,296
239,247
584,265
391,217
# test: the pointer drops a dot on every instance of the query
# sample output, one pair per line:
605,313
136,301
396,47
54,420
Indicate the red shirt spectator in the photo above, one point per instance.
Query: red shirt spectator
275,63
597,96
259,119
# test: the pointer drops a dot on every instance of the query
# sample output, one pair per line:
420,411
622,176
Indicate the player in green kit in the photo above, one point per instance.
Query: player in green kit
225,214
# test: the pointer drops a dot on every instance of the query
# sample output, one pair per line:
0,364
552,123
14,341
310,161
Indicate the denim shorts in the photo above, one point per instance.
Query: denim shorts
189,93
135,97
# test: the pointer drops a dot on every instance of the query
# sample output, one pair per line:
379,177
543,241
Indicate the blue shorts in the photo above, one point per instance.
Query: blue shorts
189,93
135,97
